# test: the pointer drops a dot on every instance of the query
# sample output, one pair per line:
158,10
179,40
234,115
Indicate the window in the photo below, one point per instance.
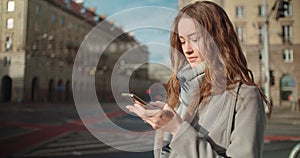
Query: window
239,11
53,17
10,23
287,55
8,43
288,9
82,31
61,40
76,27
286,34
6,61
62,21
260,34
37,9
35,46
287,84
261,10
36,26
96,18
83,11
70,25
11,6
261,53
113,47
240,33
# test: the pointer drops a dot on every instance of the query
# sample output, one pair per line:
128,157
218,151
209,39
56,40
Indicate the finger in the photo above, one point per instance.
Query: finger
146,112
137,110
129,107
168,108
158,104
139,106
137,102
143,111
145,120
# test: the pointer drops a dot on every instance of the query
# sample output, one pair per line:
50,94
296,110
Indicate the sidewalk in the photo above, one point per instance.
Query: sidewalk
283,125
285,114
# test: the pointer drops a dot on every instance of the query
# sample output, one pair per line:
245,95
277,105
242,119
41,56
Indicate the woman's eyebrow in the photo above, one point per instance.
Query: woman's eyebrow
189,35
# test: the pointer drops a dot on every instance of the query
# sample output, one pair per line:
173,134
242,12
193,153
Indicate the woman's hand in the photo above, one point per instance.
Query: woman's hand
163,117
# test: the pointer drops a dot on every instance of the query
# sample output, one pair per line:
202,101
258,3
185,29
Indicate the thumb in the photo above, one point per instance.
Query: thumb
167,107
169,111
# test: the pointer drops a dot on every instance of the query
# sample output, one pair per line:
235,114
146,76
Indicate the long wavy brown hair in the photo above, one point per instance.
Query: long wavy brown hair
226,64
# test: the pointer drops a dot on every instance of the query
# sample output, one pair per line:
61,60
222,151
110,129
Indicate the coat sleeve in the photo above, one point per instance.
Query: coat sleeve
246,139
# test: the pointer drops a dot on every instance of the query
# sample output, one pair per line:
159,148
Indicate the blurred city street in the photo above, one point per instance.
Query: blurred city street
55,130
53,52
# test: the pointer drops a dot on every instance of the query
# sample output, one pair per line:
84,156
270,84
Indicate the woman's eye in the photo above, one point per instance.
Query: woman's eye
195,39
182,42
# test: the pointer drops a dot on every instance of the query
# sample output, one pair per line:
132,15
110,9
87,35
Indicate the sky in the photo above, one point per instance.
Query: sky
148,20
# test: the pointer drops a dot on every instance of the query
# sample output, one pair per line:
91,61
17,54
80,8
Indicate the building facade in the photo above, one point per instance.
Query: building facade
39,41
248,18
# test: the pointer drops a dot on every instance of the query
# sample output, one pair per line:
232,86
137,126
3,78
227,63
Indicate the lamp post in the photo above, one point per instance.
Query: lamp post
266,54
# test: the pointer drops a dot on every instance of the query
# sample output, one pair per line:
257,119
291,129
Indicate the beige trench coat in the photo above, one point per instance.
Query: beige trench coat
225,128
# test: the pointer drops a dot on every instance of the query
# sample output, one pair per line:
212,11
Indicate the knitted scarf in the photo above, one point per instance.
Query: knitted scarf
190,79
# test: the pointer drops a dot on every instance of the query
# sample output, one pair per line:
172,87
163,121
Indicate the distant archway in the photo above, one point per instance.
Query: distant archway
67,91
51,90
60,89
287,87
6,89
35,89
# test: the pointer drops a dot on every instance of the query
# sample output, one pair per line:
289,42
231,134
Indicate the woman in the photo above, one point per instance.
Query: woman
214,108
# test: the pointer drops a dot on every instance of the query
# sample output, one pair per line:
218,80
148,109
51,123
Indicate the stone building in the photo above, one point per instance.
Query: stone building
284,43
39,41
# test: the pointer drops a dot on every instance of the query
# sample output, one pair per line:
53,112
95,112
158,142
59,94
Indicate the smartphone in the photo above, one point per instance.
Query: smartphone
135,98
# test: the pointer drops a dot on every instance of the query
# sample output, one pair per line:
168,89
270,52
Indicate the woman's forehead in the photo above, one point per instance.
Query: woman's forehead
186,27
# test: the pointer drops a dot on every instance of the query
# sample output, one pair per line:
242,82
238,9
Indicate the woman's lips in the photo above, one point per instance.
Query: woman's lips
192,59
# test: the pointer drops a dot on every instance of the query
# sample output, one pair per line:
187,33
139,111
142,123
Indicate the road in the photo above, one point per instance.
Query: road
55,130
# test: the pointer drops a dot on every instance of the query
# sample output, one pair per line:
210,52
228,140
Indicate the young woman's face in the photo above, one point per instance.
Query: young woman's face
190,41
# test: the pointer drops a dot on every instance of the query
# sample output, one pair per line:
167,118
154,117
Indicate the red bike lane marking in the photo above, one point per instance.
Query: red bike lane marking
281,138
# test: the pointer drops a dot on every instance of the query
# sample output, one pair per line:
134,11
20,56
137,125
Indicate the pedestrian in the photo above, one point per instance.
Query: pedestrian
213,108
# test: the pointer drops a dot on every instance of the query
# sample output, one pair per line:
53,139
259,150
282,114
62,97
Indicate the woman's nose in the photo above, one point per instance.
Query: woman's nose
187,49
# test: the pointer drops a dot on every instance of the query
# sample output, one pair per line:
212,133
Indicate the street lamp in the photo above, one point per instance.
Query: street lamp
281,9
266,55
